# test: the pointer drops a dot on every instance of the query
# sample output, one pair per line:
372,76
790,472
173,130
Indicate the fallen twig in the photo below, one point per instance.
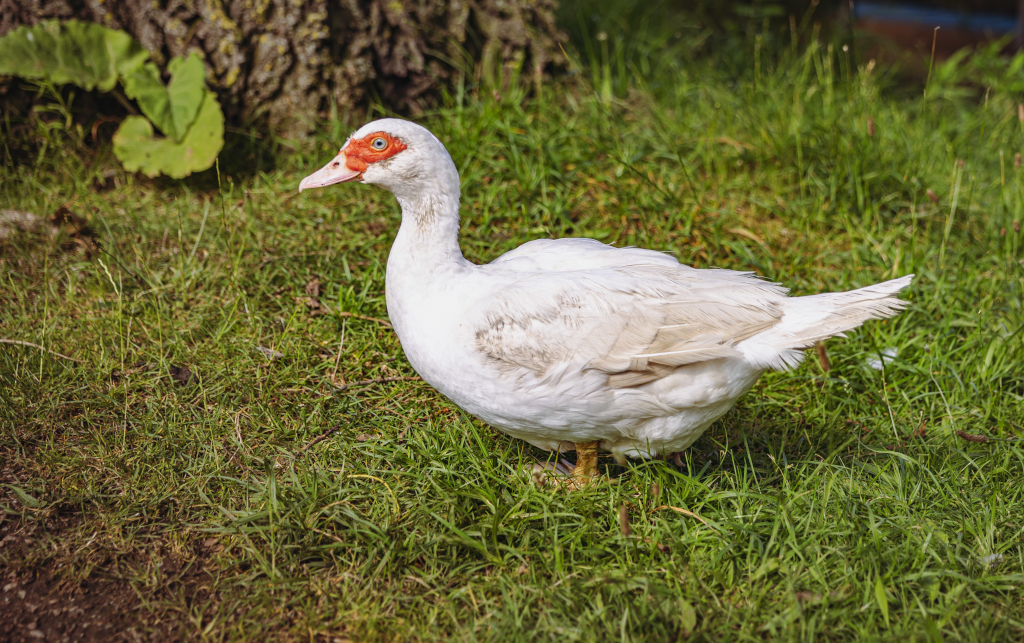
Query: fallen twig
381,380
18,342
320,308
320,438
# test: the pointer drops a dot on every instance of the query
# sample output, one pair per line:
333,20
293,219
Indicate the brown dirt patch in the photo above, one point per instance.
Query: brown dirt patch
35,605
39,601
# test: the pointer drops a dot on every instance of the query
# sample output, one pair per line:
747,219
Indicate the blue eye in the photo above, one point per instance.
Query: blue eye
379,143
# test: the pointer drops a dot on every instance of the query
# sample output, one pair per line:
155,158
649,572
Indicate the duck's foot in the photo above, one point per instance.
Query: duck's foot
586,463
564,474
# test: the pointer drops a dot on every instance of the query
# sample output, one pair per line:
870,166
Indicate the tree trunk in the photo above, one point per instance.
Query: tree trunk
288,61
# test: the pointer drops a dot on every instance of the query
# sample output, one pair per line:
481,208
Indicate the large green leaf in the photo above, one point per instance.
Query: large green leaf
172,108
126,52
80,53
139,151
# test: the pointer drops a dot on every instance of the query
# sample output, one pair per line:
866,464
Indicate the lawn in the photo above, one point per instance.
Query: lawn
231,445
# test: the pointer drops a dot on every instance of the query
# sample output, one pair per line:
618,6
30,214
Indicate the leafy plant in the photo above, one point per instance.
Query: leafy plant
77,53
95,57
140,151
172,108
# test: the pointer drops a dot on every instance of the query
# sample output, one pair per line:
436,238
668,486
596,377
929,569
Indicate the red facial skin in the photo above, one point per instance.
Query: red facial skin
359,153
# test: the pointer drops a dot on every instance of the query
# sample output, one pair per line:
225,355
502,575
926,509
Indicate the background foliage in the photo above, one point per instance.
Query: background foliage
93,57
285,62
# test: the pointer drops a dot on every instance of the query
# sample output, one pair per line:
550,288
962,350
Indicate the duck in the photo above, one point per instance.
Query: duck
571,344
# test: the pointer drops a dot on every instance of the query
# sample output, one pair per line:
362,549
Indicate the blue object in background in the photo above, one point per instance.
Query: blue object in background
982,22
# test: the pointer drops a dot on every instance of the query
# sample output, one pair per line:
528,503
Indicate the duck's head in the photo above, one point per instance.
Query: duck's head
398,155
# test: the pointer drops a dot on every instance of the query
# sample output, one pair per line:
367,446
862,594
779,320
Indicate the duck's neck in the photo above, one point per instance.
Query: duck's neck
424,264
428,240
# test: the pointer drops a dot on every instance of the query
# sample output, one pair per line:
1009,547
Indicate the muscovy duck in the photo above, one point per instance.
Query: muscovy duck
571,344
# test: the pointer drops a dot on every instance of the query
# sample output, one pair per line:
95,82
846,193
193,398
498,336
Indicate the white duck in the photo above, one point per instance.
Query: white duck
570,343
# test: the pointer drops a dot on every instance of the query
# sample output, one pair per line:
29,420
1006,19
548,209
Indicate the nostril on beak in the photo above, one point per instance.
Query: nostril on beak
335,164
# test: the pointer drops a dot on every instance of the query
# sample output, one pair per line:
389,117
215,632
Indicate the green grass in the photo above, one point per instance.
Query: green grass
832,506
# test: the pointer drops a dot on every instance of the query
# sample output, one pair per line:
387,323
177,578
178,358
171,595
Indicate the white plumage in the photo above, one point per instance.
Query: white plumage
572,341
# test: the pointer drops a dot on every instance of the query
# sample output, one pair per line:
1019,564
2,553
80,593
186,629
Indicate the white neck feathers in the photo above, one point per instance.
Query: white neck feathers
430,230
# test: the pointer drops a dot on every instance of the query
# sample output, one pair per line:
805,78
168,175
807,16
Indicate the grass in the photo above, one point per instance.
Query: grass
839,505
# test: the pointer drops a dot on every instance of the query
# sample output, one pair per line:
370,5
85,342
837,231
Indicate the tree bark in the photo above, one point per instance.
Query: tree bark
289,61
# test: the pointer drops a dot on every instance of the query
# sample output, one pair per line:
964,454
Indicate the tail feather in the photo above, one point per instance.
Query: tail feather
816,317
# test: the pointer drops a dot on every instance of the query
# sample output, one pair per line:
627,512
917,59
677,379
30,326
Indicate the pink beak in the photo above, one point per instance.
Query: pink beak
334,172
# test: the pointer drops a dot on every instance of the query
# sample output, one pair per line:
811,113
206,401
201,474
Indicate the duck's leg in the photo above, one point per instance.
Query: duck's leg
586,462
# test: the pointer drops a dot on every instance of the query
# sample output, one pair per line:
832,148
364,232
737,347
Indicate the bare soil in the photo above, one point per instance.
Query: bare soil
40,601
37,606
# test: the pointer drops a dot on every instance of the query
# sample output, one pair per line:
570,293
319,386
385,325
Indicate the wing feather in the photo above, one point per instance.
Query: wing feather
635,322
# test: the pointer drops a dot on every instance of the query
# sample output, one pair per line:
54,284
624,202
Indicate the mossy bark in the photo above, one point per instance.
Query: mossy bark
289,61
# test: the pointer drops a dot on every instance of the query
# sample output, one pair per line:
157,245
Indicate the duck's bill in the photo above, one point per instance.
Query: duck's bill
334,172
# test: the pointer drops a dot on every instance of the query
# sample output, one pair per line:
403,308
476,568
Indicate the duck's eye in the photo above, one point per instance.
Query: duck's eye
378,143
